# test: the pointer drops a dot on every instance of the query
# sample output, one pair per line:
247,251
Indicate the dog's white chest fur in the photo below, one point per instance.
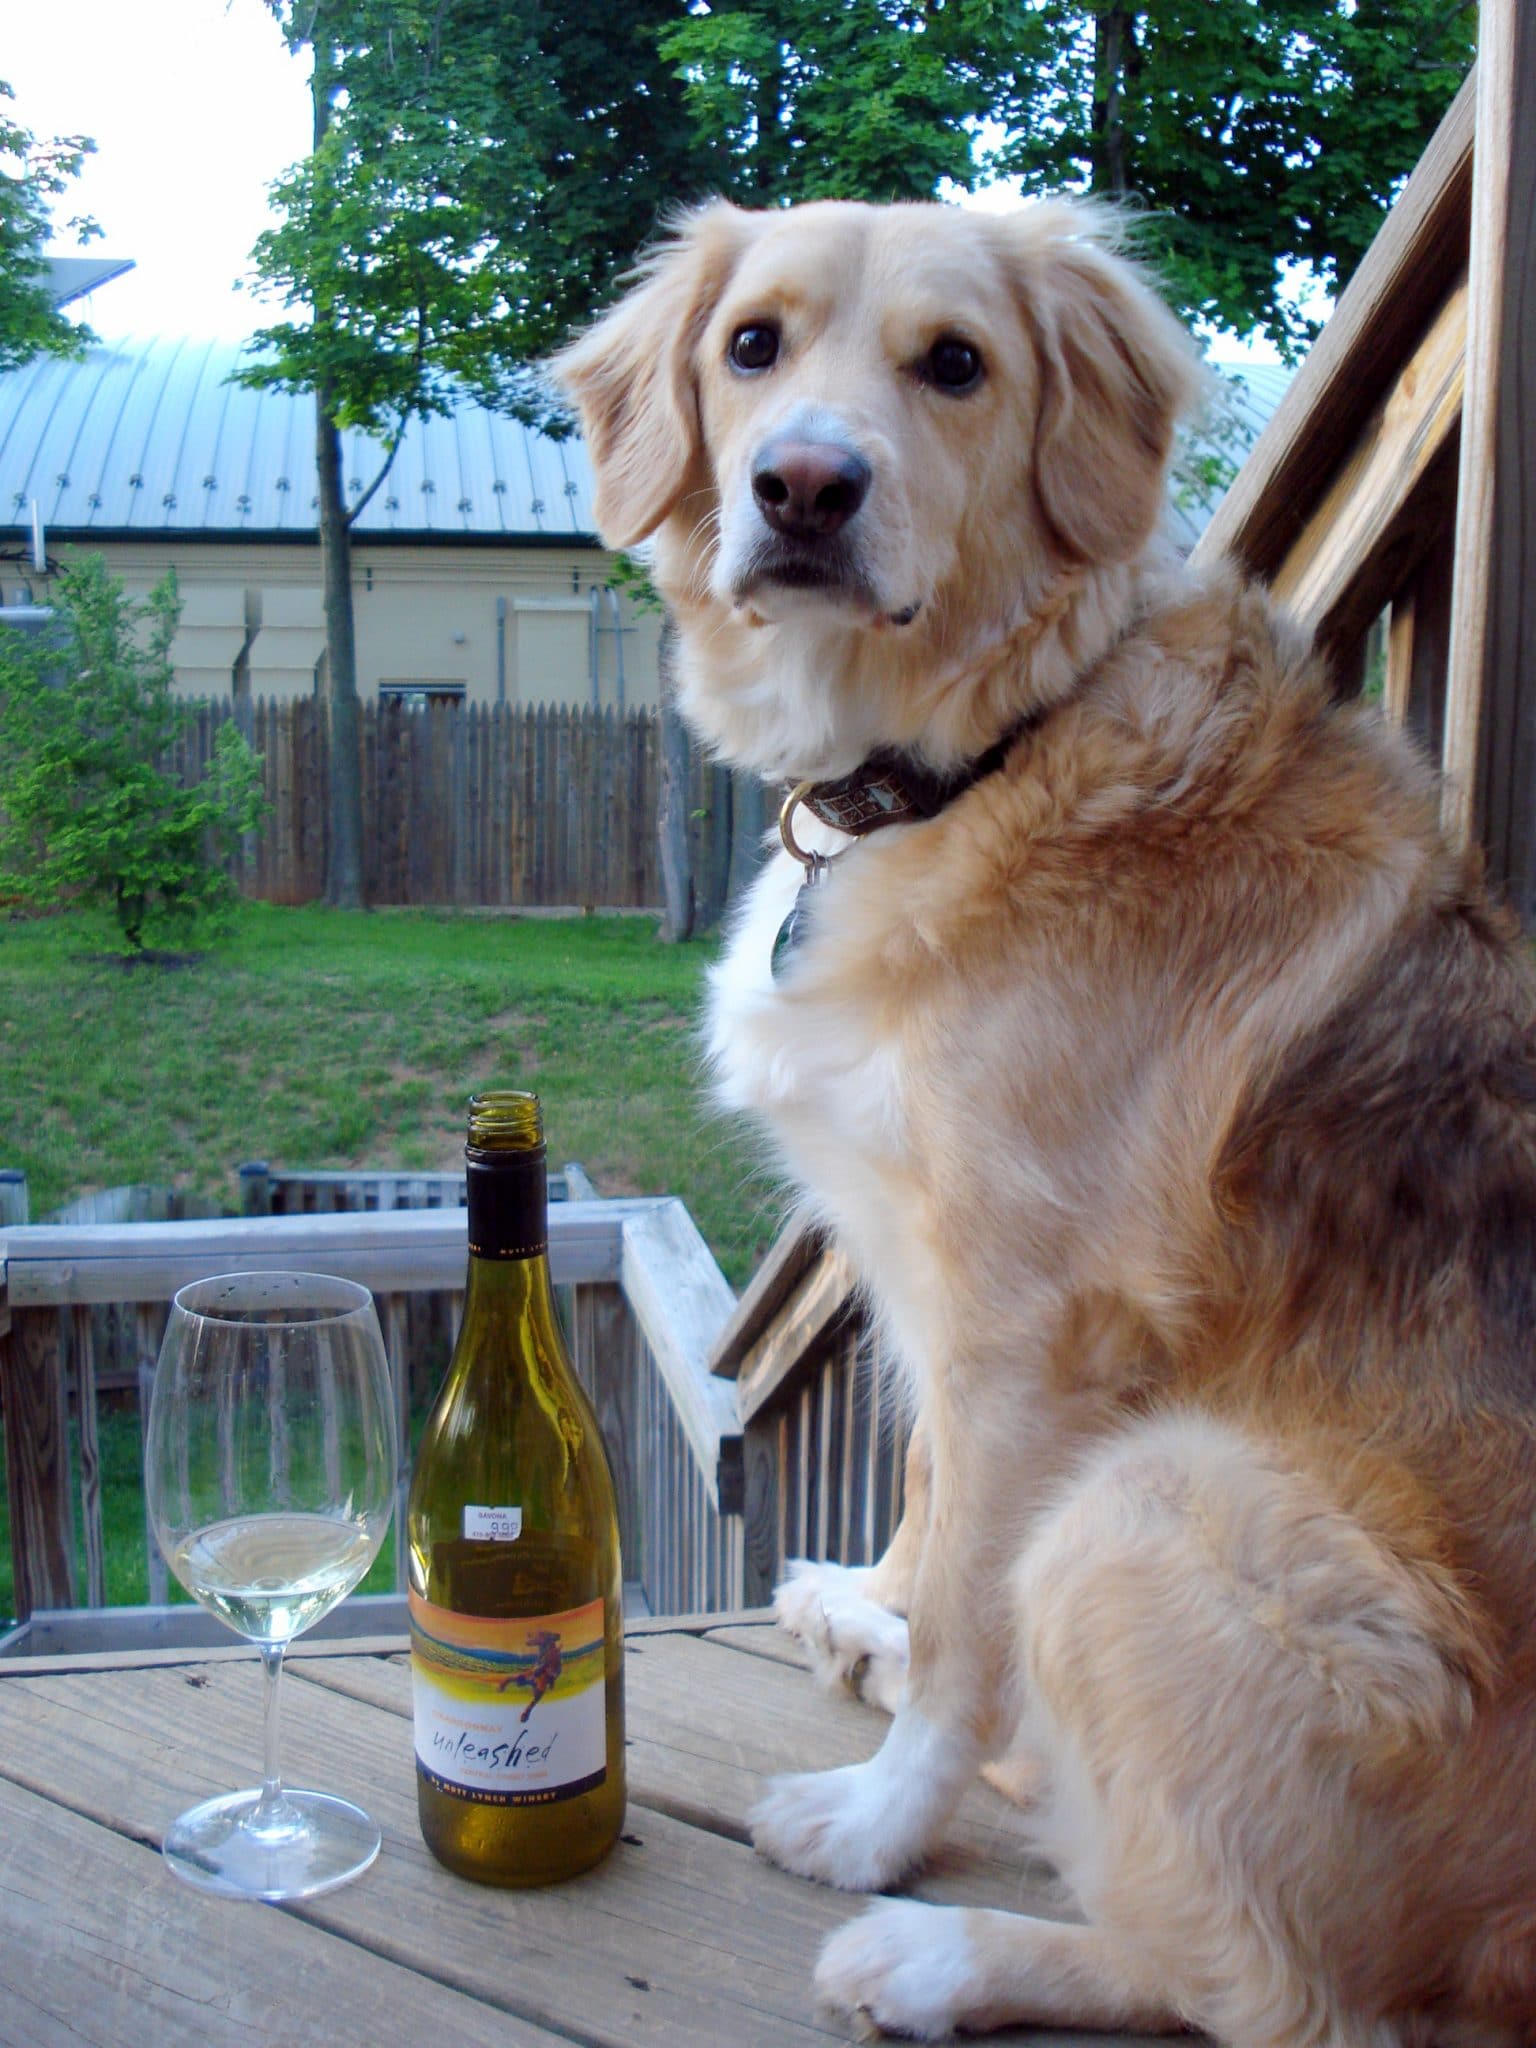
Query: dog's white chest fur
806,1063
810,1064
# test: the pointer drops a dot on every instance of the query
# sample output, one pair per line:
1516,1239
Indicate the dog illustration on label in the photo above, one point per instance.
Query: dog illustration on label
545,1672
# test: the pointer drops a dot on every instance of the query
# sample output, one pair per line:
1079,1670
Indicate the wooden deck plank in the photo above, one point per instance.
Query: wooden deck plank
758,1640
708,1769
719,1942
684,1937
93,1955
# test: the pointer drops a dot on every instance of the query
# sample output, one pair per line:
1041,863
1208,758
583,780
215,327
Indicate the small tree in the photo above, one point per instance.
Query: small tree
89,811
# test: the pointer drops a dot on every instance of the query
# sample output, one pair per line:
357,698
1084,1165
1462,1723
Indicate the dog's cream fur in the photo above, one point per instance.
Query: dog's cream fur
1173,1094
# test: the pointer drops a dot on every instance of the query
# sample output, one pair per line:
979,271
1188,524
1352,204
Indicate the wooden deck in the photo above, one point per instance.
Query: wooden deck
683,1937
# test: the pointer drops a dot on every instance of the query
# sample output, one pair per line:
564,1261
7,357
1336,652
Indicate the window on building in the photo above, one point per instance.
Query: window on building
418,696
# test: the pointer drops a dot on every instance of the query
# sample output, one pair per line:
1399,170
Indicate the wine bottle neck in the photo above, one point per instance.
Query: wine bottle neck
508,1207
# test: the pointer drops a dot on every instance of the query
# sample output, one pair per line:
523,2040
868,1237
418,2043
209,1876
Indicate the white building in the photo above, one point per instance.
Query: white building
475,567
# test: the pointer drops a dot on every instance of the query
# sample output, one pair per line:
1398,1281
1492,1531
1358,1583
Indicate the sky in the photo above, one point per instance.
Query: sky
195,106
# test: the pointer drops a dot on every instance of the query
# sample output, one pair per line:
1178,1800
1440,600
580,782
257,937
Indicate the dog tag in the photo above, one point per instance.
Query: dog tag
793,929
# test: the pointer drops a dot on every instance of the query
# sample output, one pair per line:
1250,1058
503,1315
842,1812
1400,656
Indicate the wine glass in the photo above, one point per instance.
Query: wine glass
269,1469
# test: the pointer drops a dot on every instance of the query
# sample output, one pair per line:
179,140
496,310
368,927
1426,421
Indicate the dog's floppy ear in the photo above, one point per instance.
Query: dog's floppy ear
1116,371
632,375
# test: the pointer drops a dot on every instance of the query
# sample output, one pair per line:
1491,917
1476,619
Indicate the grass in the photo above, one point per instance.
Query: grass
322,1038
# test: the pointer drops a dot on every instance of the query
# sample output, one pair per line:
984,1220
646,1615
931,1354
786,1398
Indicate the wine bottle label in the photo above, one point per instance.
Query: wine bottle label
509,1713
491,1525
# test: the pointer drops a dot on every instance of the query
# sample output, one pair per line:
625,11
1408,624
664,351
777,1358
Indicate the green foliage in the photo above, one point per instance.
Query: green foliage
630,575
600,144
1250,137
486,172
32,173
386,246
866,100
89,812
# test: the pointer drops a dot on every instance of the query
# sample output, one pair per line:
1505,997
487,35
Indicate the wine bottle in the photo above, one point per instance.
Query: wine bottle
517,1654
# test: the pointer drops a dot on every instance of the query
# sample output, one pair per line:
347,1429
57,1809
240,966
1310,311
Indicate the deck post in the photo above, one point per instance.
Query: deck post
1490,746
37,1473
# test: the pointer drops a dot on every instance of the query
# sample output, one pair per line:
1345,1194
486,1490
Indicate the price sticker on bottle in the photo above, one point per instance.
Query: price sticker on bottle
492,1525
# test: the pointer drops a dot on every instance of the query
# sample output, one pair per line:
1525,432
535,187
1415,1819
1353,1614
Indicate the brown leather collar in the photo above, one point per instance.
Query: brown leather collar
891,788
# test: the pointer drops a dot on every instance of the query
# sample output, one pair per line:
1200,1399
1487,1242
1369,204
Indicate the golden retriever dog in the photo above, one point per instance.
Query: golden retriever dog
1170,1084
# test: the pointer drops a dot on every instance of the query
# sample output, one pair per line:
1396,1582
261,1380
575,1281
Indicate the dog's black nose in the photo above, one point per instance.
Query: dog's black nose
808,489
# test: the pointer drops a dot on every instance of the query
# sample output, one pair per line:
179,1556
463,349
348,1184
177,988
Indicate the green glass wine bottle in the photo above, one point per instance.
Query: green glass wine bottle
517,1655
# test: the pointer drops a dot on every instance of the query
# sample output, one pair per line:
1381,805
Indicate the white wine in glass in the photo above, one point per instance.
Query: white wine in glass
270,1471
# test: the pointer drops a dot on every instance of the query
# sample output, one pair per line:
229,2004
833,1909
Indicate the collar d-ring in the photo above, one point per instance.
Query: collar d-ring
787,810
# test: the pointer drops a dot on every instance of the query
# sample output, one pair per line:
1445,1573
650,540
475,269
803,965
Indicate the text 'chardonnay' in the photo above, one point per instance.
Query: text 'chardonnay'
515,1583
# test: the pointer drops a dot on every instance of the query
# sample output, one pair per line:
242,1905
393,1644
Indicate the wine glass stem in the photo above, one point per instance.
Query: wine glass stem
272,1803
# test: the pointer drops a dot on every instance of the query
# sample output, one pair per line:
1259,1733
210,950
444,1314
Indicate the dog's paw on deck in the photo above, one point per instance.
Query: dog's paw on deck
849,1639
900,1968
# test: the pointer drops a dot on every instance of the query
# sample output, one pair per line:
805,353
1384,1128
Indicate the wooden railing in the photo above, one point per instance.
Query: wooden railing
1397,477
823,1427
646,1302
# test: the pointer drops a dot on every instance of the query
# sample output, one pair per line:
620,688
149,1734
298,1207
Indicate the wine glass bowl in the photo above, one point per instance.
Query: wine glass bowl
270,1468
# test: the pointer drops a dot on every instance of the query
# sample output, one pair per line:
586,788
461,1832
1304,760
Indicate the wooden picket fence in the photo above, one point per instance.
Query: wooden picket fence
473,804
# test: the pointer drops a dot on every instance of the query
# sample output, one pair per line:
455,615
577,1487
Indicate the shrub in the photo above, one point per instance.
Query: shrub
90,810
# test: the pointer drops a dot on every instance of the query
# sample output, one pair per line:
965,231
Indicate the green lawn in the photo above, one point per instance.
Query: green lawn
320,1038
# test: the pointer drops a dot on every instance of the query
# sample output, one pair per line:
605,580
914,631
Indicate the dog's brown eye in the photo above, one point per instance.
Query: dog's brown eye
952,365
754,348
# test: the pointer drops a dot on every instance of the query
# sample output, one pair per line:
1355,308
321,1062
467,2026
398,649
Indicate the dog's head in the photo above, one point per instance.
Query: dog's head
881,433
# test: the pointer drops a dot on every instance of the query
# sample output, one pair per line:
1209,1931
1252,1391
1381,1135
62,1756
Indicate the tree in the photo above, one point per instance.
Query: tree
1250,138
32,174
865,100
89,810
400,284
598,128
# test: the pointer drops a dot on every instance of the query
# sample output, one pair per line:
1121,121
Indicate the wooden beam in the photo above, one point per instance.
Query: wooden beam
1344,565
1490,747
788,1348
1417,257
681,1299
1414,694
407,1250
793,1251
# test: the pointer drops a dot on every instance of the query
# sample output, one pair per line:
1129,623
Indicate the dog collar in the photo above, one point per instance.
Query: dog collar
887,788
891,788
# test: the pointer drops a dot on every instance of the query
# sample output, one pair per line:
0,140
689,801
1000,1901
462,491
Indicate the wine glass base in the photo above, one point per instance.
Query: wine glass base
308,1843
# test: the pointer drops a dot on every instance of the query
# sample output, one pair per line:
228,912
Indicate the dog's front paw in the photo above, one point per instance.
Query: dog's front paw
900,1968
845,1828
849,1640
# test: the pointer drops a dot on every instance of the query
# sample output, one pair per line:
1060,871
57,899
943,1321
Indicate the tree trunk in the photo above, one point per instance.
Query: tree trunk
672,806
749,818
344,798
1114,46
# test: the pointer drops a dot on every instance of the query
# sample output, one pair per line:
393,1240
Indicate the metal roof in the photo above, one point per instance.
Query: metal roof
148,436
70,277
